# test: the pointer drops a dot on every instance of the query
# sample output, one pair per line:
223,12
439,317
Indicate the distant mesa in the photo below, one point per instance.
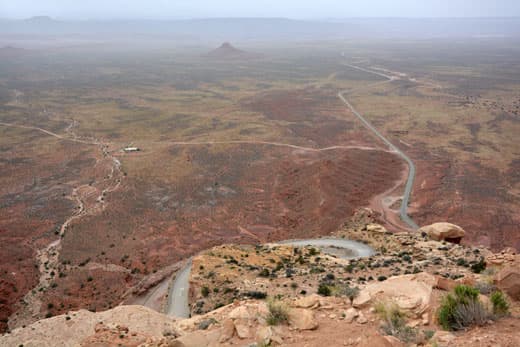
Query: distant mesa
228,51
11,51
40,19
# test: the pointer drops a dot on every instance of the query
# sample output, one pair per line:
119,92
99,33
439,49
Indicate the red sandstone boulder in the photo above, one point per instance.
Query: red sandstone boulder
508,280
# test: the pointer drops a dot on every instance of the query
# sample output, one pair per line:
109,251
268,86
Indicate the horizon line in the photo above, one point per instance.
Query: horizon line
249,17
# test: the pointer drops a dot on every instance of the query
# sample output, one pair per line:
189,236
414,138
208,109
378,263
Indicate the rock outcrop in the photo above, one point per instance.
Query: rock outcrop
311,320
444,232
82,327
411,293
507,256
302,319
508,279
376,228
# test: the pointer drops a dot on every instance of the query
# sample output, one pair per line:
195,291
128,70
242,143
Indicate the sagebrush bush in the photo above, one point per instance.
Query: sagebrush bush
394,322
278,312
500,304
462,309
472,313
485,287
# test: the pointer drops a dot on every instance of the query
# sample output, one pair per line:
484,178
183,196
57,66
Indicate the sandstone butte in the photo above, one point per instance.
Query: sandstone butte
312,319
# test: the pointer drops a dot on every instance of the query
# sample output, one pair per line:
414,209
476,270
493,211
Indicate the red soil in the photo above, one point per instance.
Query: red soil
245,194
33,205
234,194
469,195
316,116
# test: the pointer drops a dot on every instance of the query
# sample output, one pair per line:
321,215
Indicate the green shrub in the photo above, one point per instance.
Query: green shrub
324,289
256,294
351,293
428,334
462,309
330,277
264,273
466,293
278,313
204,291
479,267
203,325
500,304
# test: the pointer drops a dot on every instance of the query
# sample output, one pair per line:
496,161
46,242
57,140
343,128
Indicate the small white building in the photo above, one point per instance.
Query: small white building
131,149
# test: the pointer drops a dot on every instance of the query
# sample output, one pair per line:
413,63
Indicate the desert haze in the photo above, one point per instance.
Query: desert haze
259,181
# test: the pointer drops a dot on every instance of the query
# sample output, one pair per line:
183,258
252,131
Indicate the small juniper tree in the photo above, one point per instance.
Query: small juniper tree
351,293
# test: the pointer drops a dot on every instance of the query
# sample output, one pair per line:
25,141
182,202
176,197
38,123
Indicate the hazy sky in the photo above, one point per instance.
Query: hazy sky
165,9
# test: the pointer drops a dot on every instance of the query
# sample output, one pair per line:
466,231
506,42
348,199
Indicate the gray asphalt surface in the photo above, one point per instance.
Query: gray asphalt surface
178,297
356,249
411,172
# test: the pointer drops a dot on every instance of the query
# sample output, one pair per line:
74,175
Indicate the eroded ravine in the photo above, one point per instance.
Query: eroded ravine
48,257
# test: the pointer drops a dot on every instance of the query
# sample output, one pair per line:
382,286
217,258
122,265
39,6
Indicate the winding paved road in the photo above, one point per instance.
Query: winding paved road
178,297
178,305
356,249
411,167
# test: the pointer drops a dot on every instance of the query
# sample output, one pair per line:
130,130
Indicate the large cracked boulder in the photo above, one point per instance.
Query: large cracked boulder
302,319
412,293
311,301
508,280
444,232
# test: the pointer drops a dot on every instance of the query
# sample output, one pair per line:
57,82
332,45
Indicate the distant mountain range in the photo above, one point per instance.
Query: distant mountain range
272,28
